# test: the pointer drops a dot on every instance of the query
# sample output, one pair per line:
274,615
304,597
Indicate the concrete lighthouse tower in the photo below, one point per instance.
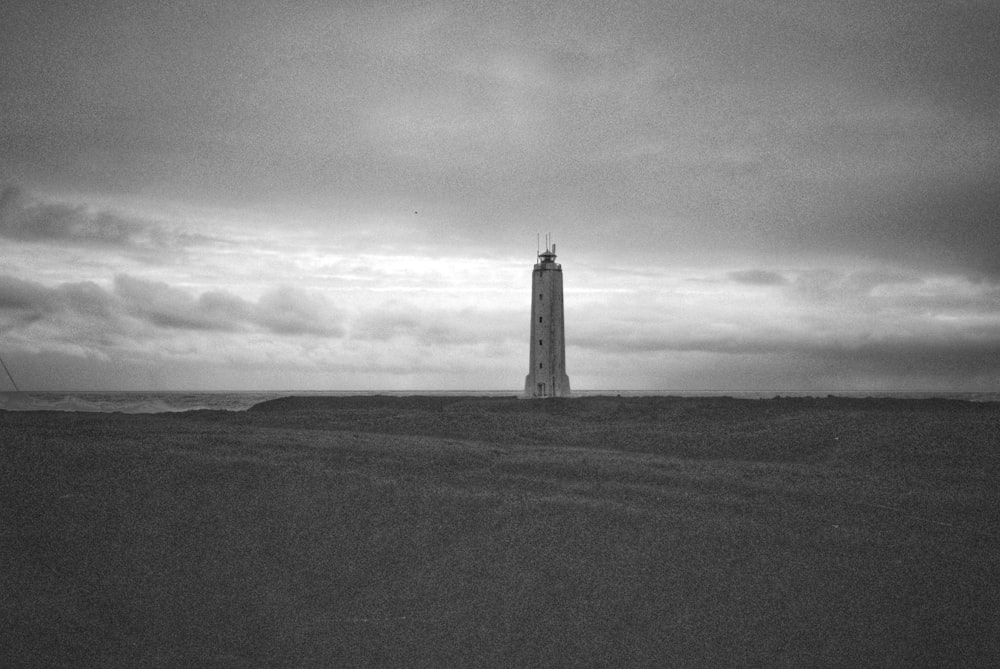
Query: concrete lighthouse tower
547,359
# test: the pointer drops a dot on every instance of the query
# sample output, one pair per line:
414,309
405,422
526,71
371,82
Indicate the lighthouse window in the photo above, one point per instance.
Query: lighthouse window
540,365
539,319
539,342
541,296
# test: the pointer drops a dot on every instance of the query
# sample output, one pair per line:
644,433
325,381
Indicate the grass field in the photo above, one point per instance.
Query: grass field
408,531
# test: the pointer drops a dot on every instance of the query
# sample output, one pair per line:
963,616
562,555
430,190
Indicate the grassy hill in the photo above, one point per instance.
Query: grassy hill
442,531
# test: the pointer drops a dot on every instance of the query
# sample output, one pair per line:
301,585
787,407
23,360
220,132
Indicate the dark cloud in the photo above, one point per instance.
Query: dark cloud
22,303
282,310
133,304
290,311
23,218
167,307
758,277
17,294
37,301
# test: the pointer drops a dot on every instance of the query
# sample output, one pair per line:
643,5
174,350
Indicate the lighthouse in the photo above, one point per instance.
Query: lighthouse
547,357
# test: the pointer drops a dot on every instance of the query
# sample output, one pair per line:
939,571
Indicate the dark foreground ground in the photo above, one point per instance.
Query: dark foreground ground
500,532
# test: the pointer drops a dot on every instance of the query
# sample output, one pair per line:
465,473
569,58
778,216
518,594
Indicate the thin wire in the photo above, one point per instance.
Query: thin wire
4,364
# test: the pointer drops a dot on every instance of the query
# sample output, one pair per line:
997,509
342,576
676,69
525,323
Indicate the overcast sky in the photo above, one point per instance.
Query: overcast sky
748,194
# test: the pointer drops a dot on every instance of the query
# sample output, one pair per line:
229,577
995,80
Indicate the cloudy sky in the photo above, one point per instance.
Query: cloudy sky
256,194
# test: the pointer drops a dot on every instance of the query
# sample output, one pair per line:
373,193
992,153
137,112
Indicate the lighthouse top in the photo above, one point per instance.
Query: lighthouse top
547,259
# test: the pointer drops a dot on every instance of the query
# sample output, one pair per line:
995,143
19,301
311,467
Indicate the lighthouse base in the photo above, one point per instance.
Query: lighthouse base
552,386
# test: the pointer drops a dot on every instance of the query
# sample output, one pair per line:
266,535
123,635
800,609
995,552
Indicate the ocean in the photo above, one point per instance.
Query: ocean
171,401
